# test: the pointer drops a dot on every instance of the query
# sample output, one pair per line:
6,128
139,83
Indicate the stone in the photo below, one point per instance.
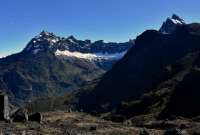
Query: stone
4,107
37,117
20,116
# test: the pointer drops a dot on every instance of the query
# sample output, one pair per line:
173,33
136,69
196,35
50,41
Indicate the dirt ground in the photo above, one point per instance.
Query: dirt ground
64,123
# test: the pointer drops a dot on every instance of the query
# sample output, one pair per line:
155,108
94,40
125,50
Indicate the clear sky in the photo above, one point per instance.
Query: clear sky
111,20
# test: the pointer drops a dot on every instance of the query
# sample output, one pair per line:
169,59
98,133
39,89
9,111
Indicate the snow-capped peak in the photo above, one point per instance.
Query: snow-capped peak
169,26
177,20
45,33
43,41
49,42
49,36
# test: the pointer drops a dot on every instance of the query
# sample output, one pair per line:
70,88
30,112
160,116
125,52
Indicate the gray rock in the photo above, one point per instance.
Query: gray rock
4,107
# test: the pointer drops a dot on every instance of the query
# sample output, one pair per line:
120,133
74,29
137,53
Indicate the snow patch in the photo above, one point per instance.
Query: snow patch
176,21
90,56
54,40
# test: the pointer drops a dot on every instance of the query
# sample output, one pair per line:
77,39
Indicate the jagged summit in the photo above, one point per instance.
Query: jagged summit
72,40
42,42
177,19
72,37
51,65
49,42
46,33
169,26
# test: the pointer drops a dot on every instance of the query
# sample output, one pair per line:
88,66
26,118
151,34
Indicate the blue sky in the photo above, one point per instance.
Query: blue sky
111,20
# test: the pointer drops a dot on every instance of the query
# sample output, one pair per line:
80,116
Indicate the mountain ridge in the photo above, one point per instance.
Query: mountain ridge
39,70
142,68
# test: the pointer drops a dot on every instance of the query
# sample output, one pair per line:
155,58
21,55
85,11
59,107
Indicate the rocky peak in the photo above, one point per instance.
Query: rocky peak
47,41
169,26
178,19
46,33
42,42
72,40
49,36
72,37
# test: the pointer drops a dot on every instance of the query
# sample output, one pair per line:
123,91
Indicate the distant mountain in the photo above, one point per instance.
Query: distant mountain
50,65
102,54
145,67
170,25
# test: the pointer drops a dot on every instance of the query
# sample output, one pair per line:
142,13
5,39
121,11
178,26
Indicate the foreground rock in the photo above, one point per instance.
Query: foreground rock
37,117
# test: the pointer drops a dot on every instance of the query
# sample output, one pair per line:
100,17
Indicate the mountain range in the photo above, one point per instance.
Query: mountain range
154,77
157,79
51,65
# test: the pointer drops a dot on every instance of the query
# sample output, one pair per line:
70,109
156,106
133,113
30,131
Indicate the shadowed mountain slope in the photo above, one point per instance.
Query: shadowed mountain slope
142,68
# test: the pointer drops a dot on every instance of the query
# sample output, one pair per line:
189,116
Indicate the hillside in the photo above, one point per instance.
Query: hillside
143,69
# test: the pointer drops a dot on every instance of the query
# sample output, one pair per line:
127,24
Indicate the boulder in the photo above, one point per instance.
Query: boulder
20,116
37,117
